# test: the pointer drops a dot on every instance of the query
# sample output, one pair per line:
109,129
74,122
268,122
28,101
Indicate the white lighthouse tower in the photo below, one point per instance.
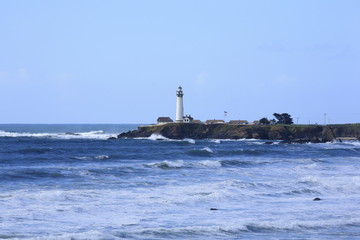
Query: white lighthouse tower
179,105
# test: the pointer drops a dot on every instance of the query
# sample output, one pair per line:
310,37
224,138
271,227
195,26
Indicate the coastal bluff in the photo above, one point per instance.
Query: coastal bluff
290,133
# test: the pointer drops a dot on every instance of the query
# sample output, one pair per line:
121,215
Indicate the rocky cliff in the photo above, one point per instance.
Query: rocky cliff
306,133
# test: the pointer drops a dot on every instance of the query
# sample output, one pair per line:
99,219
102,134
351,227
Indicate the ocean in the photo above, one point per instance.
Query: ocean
70,182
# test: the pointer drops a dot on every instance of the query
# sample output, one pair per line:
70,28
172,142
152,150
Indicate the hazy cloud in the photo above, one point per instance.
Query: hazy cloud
18,76
331,50
326,48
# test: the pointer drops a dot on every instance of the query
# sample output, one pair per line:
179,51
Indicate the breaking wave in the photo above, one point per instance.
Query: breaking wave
203,164
189,140
98,157
205,152
180,164
174,189
157,137
167,164
68,135
210,163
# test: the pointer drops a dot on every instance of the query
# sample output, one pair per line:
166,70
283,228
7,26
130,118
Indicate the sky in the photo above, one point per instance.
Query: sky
122,61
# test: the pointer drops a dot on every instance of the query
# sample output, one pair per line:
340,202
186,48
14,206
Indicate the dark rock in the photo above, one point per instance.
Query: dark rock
317,199
268,142
287,133
214,209
302,141
315,140
112,138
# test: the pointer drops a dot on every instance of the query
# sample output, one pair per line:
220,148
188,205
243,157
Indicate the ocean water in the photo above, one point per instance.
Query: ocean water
70,182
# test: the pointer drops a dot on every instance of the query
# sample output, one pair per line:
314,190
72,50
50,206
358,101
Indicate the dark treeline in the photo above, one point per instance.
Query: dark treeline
283,118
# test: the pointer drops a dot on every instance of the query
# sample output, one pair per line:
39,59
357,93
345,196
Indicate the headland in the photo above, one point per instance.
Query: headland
281,128
290,133
286,133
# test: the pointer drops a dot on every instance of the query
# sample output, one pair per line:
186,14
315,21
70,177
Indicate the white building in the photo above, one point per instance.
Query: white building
188,119
179,106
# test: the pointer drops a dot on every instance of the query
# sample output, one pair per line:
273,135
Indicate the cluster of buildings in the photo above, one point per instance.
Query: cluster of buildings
181,118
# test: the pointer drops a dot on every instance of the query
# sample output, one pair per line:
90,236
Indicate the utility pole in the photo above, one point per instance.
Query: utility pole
324,118
297,120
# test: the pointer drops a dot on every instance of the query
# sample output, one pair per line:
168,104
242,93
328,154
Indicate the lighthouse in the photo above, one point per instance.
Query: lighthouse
179,105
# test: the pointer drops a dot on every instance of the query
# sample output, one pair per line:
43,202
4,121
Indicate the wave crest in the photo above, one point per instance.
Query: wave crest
205,152
157,137
167,164
210,163
67,135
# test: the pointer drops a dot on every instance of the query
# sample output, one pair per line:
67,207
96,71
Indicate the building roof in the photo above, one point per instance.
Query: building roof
214,121
164,119
196,121
238,122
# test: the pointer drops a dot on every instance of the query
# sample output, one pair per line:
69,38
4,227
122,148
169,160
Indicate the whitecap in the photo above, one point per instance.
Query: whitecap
309,180
24,134
81,158
157,136
207,149
352,143
210,163
240,140
256,143
189,140
336,145
83,135
102,157
167,164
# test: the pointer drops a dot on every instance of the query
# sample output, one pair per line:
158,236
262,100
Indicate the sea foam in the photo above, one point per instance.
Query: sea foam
157,136
167,164
210,163
175,189
68,135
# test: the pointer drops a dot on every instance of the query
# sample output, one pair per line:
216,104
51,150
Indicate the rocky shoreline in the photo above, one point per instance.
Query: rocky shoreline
285,133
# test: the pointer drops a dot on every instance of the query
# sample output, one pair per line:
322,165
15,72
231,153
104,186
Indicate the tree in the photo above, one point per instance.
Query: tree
279,118
264,121
283,118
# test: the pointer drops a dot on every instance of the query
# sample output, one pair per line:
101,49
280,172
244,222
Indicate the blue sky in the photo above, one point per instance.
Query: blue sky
122,61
